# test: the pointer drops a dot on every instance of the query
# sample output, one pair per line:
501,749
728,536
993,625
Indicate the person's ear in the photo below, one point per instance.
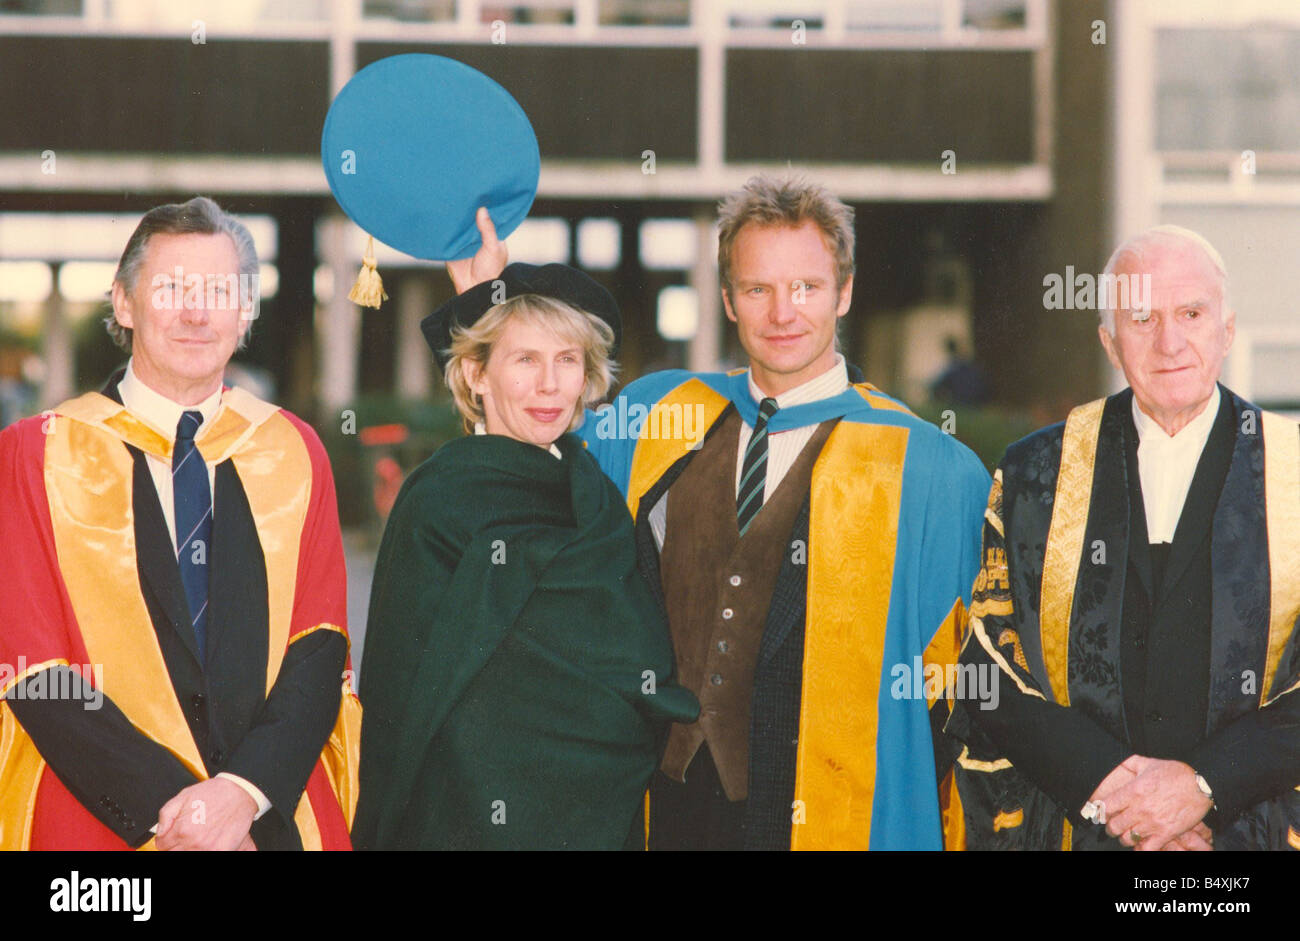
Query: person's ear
846,298
1108,344
726,304
473,374
122,306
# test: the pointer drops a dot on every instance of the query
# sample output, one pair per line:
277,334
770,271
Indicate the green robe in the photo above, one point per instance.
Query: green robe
517,670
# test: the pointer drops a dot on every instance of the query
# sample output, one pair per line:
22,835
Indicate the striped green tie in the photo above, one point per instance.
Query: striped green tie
753,471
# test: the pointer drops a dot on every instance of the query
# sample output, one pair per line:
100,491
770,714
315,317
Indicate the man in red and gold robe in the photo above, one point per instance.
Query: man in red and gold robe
173,650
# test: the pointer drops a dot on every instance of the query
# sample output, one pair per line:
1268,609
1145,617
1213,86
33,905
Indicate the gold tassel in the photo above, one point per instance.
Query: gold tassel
369,289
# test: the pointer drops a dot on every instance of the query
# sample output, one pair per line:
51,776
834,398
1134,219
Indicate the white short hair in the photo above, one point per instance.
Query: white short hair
1137,246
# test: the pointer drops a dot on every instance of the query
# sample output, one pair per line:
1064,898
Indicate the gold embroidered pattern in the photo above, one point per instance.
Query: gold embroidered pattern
1064,548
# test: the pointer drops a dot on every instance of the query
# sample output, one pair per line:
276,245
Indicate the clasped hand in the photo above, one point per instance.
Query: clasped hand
1152,804
211,815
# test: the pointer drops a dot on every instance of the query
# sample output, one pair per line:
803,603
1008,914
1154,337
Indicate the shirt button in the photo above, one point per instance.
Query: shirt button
722,646
1154,716
735,580
727,614
716,679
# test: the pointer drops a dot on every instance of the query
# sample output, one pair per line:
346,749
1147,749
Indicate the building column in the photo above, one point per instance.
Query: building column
414,359
703,350
339,328
294,340
56,348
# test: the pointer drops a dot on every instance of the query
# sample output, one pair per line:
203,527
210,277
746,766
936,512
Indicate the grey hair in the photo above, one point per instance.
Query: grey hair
1136,248
199,216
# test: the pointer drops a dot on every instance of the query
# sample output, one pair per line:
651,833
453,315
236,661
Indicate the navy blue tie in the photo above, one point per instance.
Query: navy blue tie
192,497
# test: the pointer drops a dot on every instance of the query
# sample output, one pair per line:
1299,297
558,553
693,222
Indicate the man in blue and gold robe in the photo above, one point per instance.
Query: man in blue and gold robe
813,543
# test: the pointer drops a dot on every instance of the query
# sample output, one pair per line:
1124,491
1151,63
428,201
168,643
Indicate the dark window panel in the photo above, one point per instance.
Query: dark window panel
165,96
879,106
587,102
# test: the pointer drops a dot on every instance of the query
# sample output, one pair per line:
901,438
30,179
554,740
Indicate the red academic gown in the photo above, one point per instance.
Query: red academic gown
93,585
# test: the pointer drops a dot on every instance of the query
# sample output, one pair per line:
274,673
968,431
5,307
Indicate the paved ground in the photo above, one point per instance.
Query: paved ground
359,550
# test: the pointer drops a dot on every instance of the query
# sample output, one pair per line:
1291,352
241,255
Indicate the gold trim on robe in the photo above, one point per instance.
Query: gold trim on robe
1064,550
861,466
1282,506
88,481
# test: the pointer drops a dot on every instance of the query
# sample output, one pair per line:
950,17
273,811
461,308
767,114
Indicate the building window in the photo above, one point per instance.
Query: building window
599,247
668,244
1228,90
678,313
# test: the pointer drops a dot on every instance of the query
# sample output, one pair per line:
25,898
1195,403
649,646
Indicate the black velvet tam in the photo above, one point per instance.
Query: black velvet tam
559,282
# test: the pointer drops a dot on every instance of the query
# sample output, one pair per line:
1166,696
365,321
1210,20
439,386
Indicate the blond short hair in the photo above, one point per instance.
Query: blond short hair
474,344
786,201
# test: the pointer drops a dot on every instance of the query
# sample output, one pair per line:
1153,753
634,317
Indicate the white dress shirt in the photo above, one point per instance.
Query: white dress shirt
783,447
1166,465
163,415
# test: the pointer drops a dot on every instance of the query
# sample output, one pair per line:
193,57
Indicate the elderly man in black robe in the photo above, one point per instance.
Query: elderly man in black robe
1139,596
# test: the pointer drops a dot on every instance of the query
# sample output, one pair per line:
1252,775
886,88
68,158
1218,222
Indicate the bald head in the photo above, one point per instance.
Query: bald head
1138,254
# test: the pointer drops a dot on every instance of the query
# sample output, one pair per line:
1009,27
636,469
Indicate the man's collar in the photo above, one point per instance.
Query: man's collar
830,383
795,416
1196,430
155,409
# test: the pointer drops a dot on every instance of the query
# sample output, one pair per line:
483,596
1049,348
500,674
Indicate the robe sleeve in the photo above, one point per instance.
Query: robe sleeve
958,489
119,775
1063,752
279,751
415,564
1253,758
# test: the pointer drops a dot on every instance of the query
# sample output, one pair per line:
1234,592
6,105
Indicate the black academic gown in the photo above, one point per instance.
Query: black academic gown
1168,652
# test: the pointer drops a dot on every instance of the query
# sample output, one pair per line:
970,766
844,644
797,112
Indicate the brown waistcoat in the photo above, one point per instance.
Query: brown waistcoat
717,588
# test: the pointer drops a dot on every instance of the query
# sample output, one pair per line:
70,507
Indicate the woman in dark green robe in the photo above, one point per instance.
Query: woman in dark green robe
517,669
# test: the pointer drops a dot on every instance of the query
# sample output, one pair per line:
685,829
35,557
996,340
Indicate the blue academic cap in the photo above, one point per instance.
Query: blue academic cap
414,144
